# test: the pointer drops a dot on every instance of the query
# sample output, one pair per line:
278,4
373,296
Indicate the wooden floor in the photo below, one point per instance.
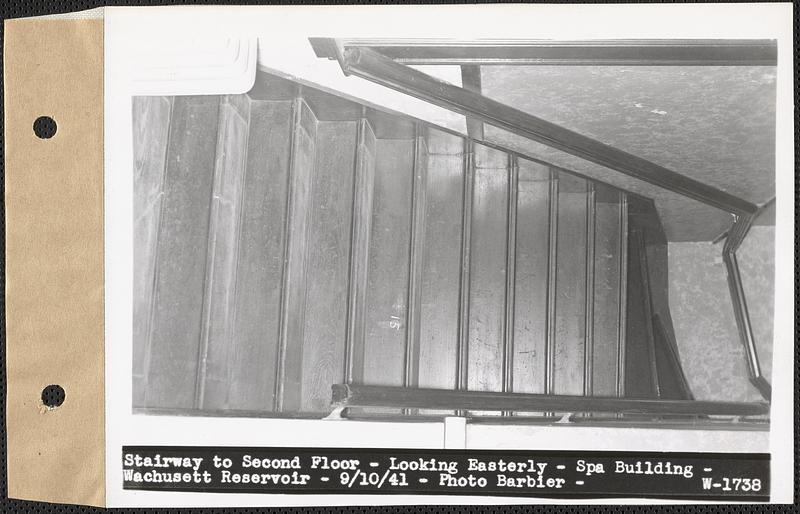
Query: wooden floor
287,240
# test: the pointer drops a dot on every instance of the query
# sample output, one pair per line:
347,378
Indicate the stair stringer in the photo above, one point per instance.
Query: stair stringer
645,226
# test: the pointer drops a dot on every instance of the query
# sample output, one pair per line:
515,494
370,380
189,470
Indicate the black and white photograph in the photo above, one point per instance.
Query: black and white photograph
298,253
399,255
358,228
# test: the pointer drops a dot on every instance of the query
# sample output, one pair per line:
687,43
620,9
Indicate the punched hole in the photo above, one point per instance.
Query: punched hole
53,396
45,127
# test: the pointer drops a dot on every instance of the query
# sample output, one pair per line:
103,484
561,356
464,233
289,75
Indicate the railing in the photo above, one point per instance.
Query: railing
364,396
361,59
370,65
735,237
658,52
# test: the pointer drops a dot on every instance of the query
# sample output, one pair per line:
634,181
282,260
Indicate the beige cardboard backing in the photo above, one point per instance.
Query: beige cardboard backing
54,259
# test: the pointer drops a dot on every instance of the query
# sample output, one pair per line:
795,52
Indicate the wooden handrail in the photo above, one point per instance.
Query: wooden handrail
735,237
353,395
625,52
370,65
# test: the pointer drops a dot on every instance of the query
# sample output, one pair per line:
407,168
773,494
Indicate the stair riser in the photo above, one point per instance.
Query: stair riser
287,253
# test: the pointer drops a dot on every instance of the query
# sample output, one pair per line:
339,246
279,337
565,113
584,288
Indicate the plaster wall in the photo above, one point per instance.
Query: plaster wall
705,329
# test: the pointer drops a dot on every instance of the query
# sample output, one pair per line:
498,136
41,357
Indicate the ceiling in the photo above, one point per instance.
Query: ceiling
715,124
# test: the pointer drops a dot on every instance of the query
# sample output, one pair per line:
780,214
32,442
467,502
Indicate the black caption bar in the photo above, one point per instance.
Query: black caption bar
555,474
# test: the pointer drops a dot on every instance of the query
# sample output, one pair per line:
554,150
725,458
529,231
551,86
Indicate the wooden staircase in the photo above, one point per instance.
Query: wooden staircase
288,240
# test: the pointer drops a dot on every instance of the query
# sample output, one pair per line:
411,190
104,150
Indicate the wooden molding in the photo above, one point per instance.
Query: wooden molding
350,395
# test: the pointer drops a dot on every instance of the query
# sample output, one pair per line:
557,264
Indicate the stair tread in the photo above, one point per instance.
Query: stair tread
295,226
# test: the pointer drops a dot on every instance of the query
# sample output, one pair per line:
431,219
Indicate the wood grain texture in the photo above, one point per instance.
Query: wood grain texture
589,293
624,234
647,217
465,267
488,270
298,219
415,254
511,273
647,300
552,275
252,353
217,335
331,208
672,383
606,295
151,115
530,317
387,294
441,260
181,257
360,231
570,334
638,375
323,255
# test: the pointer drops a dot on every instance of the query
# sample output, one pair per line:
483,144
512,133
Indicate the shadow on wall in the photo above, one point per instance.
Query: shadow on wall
711,353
